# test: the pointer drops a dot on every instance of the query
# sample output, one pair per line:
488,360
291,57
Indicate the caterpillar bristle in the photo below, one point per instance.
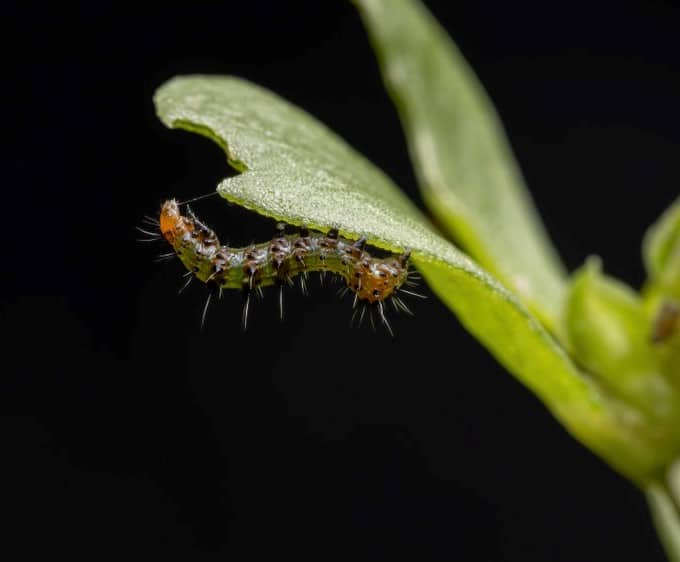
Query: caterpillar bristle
205,310
156,235
164,257
181,290
359,244
412,293
394,305
149,236
244,316
381,310
303,286
281,303
362,313
401,305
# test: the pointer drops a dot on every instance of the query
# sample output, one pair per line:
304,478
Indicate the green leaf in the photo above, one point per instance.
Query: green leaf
467,173
661,251
294,169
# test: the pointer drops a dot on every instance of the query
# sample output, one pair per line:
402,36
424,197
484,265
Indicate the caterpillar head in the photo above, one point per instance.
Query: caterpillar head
171,221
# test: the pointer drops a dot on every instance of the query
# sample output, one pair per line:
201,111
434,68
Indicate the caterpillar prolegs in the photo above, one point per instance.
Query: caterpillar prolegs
374,281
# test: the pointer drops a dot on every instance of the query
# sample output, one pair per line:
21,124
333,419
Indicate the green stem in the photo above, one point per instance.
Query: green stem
664,503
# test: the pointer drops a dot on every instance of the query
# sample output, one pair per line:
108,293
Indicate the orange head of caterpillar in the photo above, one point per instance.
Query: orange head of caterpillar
171,221
376,280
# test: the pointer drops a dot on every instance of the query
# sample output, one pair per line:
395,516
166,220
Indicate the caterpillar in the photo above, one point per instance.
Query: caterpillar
373,280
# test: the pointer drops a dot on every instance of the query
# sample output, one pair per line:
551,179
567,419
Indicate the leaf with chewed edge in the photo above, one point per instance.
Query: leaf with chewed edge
296,170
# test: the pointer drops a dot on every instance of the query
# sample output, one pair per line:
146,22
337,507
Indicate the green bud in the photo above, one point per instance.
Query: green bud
661,252
608,332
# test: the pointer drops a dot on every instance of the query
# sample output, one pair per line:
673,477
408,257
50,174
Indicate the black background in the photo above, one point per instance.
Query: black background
126,430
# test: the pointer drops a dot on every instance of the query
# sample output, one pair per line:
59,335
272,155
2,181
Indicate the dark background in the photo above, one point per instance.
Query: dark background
126,430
